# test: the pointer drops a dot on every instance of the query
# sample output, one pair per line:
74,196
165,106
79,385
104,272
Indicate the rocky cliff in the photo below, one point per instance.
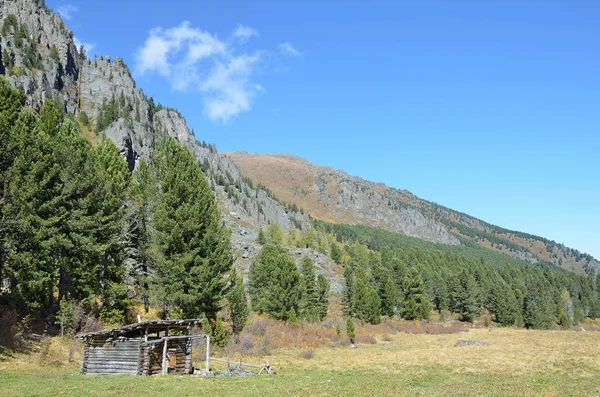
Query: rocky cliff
39,56
334,196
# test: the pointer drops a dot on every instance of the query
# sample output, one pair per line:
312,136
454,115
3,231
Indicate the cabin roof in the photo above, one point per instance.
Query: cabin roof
151,325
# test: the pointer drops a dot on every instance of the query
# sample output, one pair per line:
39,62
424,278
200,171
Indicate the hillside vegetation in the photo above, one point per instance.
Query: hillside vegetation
334,196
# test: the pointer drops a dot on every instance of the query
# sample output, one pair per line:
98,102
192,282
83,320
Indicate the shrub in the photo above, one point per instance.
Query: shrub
366,339
307,354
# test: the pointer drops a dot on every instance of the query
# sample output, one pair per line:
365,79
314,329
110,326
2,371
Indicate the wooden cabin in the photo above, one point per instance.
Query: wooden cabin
145,348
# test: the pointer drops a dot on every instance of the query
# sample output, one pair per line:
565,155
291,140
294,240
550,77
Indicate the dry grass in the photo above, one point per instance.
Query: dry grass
516,362
510,352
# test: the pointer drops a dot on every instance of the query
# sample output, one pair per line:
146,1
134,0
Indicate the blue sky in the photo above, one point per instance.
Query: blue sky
491,108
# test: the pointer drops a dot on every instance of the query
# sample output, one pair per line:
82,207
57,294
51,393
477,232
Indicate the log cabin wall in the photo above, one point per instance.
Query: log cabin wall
111,356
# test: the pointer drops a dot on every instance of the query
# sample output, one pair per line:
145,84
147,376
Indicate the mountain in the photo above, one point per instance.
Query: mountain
334,196
38,55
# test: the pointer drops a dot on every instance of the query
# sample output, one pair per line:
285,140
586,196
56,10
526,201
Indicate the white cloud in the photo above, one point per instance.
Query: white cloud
66,11
244,33
288,49
190,58
89,47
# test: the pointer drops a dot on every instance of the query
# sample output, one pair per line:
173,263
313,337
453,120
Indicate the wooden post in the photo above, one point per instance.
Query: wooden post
164,358
207,354
146,336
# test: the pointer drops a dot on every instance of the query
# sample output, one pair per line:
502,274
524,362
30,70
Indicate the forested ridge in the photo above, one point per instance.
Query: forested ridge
408,277
79,232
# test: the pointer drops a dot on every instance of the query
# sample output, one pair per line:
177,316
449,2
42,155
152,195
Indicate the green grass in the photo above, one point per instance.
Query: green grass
516,363
426,381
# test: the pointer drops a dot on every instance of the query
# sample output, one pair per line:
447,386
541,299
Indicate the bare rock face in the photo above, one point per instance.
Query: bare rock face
51,77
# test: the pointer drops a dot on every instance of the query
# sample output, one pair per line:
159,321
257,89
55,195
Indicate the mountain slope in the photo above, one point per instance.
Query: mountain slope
334,196
38,55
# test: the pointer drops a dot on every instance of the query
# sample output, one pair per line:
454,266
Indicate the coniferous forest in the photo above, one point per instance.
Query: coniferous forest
78,230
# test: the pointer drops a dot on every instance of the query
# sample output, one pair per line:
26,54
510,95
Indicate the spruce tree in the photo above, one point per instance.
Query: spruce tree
415,305
350,330
261,239
323,287
275,234
219,334
539,308
192,243
503,304
467,297
389,298
142,195
238,304
335,253
309,302
274,282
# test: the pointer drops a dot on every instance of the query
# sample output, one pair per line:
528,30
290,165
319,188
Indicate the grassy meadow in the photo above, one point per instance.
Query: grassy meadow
515,363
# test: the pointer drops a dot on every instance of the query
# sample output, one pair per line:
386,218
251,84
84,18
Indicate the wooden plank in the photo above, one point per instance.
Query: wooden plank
112,362
133,373
111,368
104,355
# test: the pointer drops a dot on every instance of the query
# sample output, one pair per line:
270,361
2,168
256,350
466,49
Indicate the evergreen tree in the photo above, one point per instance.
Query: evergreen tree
323,287
219,335
415,305
335,252
348,292
350,330
274,282
309,302
192,243
389,297
504,305
365,301
238,304
65,206
142,195
373,307
539,307
261,239
275,234
467,297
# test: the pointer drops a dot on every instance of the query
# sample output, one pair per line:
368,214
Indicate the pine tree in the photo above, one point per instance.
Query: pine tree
219,335
274,282
467,297
348,292
261,239
539,307
142,195
373,307
323,287
350,330
503,304
238,304
389,298
416,303
275,234
192,243
335,252
309,302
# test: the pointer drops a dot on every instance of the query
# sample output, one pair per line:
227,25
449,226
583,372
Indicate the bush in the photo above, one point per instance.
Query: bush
307,354
83,117
366,339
